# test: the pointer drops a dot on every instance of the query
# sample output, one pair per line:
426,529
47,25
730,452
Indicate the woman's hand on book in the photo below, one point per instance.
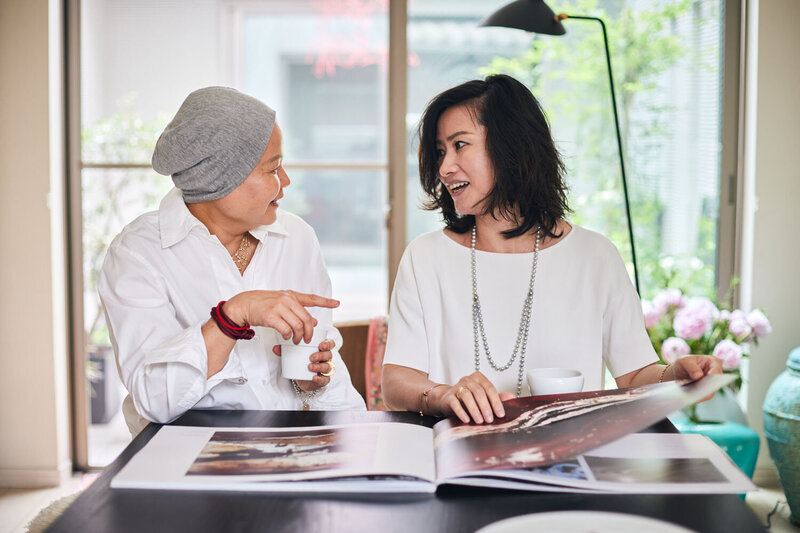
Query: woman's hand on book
686,368
473,398
694,367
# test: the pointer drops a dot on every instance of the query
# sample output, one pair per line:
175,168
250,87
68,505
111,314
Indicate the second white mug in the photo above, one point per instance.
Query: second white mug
544,381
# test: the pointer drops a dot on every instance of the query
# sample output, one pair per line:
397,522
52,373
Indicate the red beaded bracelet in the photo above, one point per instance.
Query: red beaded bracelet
227,327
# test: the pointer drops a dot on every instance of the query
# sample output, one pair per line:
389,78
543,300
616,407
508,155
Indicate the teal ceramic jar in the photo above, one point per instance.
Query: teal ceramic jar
782,429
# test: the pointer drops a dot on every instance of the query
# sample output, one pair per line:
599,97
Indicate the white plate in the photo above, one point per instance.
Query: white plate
582,522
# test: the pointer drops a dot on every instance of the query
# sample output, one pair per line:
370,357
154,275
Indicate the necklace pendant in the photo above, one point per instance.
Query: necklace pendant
306,407
240,257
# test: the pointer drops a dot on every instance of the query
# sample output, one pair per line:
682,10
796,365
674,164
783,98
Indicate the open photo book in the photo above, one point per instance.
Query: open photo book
581,442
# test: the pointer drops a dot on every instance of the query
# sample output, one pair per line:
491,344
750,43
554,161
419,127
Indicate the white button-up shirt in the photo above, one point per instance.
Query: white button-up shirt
162,275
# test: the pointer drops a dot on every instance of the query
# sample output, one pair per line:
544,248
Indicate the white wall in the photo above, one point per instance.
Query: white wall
774,282
34,410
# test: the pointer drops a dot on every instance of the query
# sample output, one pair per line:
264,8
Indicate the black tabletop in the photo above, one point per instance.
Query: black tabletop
452,509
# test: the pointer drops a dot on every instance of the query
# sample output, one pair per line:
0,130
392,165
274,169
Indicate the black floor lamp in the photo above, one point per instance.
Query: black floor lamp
535,16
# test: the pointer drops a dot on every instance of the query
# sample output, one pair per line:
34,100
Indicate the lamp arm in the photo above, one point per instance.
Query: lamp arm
561,17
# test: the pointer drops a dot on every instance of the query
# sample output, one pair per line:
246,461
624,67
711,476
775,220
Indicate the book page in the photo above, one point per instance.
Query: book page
283,459
541,430
642,463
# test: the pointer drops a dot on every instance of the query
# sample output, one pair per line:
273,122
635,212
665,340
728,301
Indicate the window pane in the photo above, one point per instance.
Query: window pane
323,68
141,58
666,58
346,209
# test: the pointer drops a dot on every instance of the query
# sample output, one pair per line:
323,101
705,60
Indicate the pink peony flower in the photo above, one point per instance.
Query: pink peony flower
739,326
669,298
673,348
695,319
651,314
729,353
724,314
759,323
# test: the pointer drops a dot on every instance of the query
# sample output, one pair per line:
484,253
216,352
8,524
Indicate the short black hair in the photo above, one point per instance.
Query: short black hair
530,188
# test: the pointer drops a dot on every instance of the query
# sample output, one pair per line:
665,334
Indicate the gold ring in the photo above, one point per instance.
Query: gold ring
330,372
459,391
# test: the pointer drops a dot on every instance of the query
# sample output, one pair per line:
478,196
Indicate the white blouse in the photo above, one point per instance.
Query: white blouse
162,275
585,310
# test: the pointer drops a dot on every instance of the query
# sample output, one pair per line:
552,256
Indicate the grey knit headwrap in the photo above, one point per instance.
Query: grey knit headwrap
214,141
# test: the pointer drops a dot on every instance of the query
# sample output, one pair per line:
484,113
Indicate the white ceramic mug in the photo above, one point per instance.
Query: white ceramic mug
295,358
554,381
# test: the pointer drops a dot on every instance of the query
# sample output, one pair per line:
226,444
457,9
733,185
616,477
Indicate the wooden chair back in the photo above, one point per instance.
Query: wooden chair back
354,351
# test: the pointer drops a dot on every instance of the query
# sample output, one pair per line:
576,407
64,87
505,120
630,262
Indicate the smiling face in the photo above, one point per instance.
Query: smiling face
465,168
255,201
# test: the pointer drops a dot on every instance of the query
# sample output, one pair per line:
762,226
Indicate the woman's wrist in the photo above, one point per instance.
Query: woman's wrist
228,326
304,396
427,398
236,312
662,376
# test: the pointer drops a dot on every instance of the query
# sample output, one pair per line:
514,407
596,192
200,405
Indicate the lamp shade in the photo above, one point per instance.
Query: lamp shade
529,15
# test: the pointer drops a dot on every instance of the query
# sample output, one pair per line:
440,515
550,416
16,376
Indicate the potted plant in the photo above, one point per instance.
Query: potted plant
680,325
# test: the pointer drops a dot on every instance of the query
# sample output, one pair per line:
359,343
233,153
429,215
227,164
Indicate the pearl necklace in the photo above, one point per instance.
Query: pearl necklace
524,324
242,255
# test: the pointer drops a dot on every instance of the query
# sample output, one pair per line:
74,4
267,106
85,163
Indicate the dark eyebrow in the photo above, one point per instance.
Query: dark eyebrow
454,135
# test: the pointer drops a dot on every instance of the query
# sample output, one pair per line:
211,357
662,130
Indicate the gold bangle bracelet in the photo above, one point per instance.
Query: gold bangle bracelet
424,399
663,371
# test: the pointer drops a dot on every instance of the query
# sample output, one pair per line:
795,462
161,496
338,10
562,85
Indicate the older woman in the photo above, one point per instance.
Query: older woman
198,293
508,284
